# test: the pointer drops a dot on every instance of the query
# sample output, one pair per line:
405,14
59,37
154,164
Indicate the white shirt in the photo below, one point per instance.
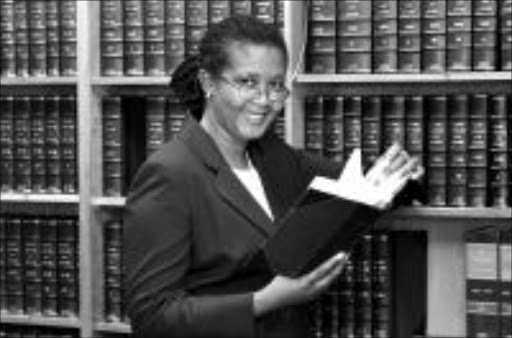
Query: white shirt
252,181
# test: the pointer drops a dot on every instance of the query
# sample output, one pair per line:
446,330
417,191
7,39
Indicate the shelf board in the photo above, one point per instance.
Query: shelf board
130,80
122,328
39,81
39,198
40,321
481,213
109,201
404,78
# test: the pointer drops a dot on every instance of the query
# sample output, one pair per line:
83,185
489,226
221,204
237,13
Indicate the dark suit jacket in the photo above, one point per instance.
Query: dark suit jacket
193,236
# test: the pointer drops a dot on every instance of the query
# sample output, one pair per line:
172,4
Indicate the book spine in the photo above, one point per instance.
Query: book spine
505,32
32,277
53,144
505,283
433,36
155,123
133,42
196,12
456,195
113,272
14,266
7,39
363,286
393,120
484,29
3,264
68,132
265,10
49,306
174,34
67,267
321,45
176,115
477,151
22,153
381,285
459,36
436,113
409,36
354,37
68,38
111,20
498,151
347,300
154,37
37,38
352,125
314,125
279,126
241,7
113,159
333,128
218,10
52,38
482,317
7,143
21,34
371,140
38,148
385,36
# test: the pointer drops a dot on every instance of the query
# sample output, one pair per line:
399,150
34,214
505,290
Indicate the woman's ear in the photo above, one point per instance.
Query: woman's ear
206,83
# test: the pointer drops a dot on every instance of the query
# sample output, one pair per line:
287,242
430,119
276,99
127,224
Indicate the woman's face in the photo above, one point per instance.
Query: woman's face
249,93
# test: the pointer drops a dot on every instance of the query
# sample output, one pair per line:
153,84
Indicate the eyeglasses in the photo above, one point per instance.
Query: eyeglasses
250,88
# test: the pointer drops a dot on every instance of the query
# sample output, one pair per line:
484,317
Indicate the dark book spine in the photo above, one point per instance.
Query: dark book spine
22,153
174,34
265,10
218,10
317,318
409,36
14,265
433,36
321,45
53,144
347,300
3,264
333,128
38,147
314,124
505,282
279,126
456,194
113,136
354,37
241,7
111,32
154,37
485,28
477,151
49,267
196,12
52,38
155,123
133,43
31,238
482,317
498,151
385,36
176,114
459,36
352,125
363,286
68,37
505,33
68,132
393,120
7,143
21,34
371,141
7,39
113,272
381,285
37,38
436,113
67,267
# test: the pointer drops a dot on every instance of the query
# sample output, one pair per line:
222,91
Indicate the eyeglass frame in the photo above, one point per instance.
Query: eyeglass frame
257,90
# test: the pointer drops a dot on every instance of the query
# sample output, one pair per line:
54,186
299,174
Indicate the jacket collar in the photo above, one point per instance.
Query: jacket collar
228,185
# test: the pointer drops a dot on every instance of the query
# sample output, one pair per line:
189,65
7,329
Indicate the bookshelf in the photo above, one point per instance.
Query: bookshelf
445,226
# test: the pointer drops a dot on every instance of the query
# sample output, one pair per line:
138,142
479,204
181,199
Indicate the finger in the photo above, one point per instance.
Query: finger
325,268
382,162
398,162
408,167
324,283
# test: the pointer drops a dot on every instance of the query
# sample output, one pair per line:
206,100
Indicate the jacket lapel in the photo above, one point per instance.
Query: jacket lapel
228,185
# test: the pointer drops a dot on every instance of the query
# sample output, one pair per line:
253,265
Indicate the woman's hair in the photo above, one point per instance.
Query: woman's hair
214,56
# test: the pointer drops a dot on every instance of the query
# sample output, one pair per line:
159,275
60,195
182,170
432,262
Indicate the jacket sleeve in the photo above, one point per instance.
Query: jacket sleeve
156,253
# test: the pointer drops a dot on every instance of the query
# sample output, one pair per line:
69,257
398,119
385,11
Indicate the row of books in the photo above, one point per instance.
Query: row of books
408,36
489,282
39,265
462,140
134,127
381,291
21,331
38,144
38,38
152,37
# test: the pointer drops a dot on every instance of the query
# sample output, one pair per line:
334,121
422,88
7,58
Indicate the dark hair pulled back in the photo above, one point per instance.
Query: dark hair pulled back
214,58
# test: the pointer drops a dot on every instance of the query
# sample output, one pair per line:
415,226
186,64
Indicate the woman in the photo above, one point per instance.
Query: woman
200,209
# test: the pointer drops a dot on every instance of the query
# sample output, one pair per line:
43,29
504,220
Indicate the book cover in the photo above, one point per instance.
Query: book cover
321,38
68,52
113,271
37,144
37,38
111,37
32,277
155,122
52,38
67,267
113,147
22,151
498,151
68,144
6,143
314,124
49,267
154,37
8,40
21,36
53,144
333,128
133,43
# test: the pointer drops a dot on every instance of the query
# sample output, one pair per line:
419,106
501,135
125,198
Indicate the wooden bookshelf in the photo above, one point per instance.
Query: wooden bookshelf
39,198
113,328
40,321
39,81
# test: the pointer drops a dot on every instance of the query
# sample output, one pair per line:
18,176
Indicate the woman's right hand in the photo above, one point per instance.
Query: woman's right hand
284,291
